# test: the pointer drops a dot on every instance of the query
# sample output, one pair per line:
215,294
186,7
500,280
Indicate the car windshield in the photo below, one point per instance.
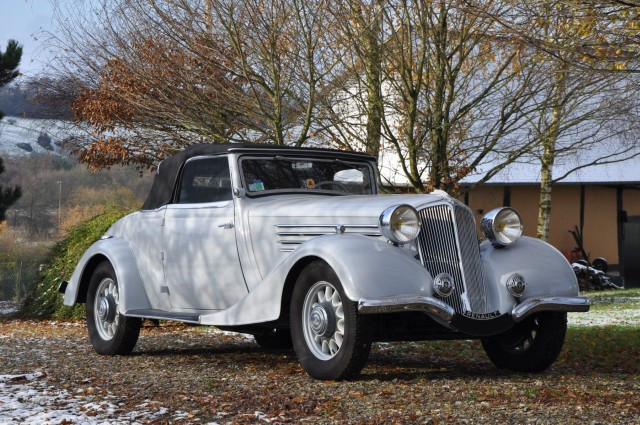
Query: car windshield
287,173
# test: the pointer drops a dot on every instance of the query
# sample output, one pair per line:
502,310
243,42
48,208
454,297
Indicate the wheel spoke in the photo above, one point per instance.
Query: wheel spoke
340,326
340,311
338,338
335,299
333,347
325,346
321,296
328,293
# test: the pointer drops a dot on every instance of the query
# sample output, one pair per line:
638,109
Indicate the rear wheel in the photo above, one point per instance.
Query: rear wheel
530,346
331,340
110,332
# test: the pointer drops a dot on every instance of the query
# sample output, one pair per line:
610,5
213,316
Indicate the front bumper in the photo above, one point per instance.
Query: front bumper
471,324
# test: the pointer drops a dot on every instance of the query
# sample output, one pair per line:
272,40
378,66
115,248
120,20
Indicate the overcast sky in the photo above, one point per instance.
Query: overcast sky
24,21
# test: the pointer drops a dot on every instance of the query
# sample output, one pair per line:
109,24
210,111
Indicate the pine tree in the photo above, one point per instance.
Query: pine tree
7,196
9,61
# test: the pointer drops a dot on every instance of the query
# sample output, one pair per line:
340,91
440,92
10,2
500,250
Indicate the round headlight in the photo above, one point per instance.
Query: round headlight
400,223
502,226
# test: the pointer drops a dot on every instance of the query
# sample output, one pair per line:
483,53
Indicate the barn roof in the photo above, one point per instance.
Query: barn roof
602,164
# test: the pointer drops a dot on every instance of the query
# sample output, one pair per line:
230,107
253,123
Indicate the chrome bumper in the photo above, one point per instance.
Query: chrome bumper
534,305
429,305
445,312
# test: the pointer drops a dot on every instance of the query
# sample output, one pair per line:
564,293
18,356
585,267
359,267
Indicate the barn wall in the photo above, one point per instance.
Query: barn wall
631,202
600,228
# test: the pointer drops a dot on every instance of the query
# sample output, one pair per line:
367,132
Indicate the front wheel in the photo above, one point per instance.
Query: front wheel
530,346
110,332
331,340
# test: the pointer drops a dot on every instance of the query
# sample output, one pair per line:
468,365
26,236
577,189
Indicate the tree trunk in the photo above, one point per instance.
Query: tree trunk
439,174
548,157
372,56
544,207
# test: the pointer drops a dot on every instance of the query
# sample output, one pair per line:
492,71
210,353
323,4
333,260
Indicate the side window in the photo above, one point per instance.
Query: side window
205,180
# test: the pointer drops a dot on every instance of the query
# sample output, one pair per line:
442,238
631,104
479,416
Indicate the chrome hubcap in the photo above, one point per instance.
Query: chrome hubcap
106,309
103,308
319,320
323,320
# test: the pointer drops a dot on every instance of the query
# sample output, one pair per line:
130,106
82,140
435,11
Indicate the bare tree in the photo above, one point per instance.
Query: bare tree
154,76
143,91
586,103
452,93
599,35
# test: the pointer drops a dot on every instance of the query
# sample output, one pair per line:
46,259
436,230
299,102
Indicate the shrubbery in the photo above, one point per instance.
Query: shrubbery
45,301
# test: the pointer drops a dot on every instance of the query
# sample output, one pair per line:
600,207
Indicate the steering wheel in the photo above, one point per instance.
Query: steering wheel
340,186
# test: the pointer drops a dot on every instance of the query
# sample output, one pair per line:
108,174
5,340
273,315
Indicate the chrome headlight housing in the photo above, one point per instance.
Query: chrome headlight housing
502,226
400,223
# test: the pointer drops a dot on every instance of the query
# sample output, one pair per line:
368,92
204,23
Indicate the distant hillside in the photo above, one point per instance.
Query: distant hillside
35,99
27,136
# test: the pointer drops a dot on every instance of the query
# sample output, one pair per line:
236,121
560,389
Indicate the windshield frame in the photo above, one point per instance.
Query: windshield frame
297,157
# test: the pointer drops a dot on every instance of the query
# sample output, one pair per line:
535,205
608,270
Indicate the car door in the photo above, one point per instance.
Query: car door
201,265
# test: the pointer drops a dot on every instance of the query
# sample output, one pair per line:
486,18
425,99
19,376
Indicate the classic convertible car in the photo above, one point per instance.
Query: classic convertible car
297,247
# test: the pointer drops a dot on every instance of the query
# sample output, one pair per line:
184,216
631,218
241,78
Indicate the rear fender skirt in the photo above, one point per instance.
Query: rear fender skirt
118,252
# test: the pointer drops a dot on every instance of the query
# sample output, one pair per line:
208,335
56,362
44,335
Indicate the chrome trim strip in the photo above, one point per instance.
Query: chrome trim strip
429,305
324,233
156,316
535,305
333,226
287,234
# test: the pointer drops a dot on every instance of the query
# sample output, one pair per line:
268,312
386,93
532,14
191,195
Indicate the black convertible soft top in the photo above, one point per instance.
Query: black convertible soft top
162,189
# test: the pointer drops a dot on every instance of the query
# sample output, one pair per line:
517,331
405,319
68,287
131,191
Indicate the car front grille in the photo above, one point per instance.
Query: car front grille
448,244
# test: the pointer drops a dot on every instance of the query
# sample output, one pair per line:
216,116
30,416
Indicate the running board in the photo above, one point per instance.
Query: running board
165,315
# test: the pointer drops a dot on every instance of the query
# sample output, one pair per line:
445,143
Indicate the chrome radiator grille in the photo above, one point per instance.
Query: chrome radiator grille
448,244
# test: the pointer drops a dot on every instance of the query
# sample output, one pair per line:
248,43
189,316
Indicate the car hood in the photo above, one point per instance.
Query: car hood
336,206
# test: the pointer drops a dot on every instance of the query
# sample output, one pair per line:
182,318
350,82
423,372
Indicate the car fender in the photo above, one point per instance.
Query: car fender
116,250
544,268
366,267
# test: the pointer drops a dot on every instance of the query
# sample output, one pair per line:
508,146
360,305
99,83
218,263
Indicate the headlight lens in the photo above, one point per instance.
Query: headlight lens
400,223
502,226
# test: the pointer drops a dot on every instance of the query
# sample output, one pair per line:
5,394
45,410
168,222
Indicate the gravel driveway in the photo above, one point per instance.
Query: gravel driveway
182,374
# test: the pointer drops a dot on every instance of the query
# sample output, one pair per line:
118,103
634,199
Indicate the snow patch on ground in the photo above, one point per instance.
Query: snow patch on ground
617,317
8,307
212,330
19,136
27,399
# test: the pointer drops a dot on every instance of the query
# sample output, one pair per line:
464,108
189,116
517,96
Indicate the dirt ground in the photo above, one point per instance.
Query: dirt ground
183,374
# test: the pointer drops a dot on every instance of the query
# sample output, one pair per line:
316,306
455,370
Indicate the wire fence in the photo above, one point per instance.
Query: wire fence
17,280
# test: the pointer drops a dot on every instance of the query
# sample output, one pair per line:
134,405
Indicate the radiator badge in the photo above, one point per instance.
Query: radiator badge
481,316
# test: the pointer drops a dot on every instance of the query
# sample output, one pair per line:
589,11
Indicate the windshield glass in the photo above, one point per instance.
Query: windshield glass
328,175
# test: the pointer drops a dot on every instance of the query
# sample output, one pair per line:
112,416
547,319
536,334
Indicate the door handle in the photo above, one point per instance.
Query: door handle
226,225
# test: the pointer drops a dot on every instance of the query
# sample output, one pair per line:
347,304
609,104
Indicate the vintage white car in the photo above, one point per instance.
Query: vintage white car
297,247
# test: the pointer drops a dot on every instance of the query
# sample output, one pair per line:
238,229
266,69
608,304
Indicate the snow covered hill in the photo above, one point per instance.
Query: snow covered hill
28,136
